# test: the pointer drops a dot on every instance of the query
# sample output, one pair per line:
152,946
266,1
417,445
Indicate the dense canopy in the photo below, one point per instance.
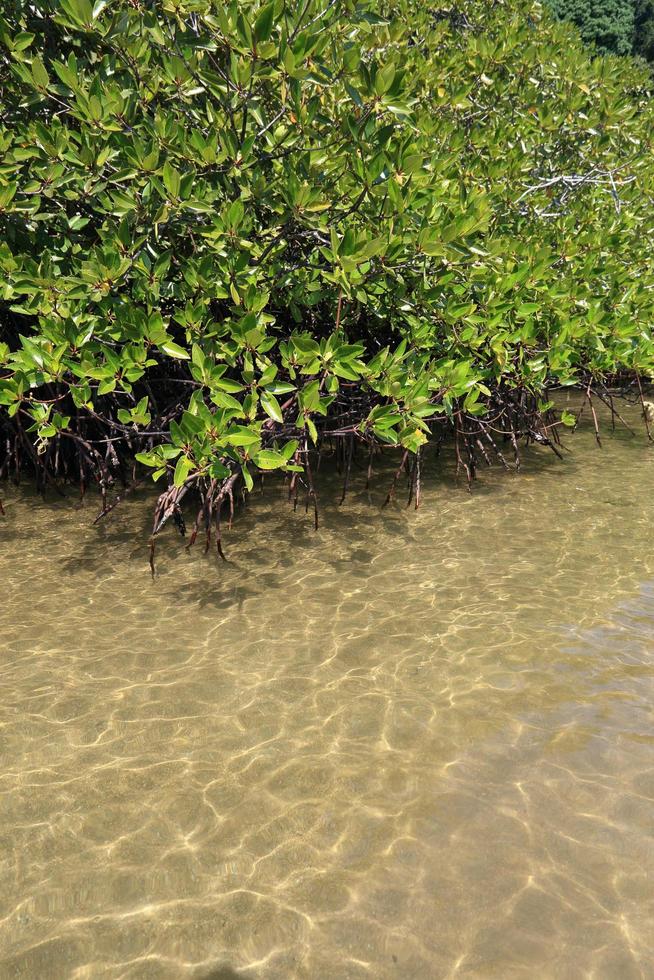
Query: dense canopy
232,232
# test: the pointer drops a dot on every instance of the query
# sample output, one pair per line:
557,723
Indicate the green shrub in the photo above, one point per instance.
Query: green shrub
230,229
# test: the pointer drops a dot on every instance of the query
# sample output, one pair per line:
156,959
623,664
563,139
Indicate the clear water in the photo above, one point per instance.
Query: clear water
410,745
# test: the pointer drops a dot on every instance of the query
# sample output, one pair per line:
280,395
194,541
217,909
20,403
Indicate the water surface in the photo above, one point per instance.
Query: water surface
410,745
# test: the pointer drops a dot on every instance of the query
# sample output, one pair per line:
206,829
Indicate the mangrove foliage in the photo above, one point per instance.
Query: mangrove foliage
234,236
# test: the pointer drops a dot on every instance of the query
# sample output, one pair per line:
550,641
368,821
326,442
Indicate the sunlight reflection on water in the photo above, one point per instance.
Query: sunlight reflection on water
407,745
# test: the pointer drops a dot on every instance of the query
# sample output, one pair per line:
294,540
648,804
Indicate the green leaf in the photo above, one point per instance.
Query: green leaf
39,74
269,459
177,434
182,469
65,73
413,440
241,437
264,23
148,459
174,350
384,79
271,406
172,180
81,10
313,432
289,450
219,471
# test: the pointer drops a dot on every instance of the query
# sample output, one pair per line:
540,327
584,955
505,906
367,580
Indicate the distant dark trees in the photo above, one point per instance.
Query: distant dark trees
644,29
614,26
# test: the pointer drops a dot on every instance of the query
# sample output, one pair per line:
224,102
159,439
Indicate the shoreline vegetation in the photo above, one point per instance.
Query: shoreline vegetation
354,460
238,236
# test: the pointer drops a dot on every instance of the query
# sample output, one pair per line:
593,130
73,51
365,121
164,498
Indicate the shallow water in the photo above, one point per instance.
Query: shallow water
410,745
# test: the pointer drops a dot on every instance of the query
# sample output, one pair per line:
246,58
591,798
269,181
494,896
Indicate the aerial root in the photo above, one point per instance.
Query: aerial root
399,471
642,405
311,490
414,481
348,468
369,470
